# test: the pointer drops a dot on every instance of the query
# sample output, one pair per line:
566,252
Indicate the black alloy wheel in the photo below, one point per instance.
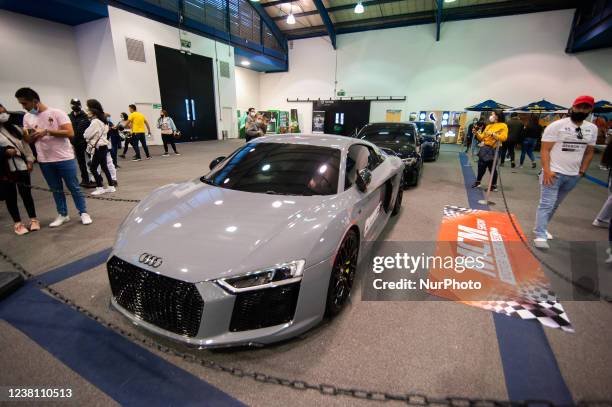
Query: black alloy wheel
397,207
343,274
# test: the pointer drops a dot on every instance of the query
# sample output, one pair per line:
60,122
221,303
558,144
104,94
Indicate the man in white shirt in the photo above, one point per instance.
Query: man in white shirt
567,150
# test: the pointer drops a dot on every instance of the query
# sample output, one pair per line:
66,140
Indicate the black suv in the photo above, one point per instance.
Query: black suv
401,140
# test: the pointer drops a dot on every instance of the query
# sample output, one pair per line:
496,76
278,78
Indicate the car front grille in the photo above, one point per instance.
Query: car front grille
263,308
170,304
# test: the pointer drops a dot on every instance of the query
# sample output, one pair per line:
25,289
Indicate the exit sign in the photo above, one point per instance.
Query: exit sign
157,106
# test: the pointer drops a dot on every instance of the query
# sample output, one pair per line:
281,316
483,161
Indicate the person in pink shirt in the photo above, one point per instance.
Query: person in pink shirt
50,129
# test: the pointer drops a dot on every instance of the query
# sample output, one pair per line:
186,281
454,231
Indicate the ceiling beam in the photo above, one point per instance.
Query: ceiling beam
326,21
350,6
263,14
427,17
439,19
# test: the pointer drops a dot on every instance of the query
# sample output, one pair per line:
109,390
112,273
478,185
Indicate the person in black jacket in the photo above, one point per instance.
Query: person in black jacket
533,133
515,130
80,122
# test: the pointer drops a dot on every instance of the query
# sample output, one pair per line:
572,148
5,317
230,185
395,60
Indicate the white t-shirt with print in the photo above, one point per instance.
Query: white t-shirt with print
568,151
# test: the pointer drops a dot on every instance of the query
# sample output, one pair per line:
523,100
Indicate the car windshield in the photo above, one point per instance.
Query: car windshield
426,128
279,168
389,135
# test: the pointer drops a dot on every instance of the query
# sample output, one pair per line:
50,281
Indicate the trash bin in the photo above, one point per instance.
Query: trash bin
224,134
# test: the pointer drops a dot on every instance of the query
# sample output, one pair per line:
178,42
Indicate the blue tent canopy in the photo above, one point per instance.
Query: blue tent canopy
603,106
541,106
488,105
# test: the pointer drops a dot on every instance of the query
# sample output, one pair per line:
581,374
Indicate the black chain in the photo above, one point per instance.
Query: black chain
592,291
88,196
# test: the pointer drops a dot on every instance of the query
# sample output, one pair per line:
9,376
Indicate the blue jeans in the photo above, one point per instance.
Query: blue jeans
66,170
136,137
528,147
551,197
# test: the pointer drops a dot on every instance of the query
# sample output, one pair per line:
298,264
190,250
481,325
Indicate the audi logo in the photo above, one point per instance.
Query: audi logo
150,260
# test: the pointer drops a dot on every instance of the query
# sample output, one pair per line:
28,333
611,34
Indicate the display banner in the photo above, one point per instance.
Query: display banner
511,279
318,121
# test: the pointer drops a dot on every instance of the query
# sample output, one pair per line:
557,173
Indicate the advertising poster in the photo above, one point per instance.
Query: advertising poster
393,115
510,279
318,121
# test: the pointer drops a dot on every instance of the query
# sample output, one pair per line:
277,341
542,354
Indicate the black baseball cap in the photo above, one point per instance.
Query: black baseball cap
75,101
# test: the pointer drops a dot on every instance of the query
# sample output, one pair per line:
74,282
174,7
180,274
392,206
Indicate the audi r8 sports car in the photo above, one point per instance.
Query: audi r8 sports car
261,248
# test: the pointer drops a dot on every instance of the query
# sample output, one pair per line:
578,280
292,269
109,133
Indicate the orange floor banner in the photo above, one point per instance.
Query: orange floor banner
509,279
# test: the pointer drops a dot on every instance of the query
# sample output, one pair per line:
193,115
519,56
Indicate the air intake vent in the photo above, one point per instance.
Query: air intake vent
224,69
135,50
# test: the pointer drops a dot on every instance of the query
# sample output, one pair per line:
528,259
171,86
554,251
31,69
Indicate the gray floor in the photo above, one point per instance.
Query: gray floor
436,348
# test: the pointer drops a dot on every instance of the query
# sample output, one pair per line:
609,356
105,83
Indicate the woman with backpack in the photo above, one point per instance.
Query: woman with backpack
98,146
168,129
16,160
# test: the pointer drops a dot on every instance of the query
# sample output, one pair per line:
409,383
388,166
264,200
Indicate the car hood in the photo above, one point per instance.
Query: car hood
204,232
402,150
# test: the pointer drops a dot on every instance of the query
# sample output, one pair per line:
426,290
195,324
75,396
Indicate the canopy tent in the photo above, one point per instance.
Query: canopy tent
603,106
542,106
488,105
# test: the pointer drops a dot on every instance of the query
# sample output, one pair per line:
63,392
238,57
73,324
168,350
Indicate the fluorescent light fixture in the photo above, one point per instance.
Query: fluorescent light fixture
449,1
359,9
244,62
290,19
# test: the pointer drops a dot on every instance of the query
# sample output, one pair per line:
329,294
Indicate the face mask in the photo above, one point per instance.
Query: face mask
33,111
252,113
492,119
578,116
4,117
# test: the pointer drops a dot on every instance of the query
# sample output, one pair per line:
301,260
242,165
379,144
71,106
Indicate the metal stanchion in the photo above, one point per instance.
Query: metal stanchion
494,169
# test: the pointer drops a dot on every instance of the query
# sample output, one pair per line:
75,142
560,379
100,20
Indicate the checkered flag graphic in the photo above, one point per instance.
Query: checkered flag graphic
452,211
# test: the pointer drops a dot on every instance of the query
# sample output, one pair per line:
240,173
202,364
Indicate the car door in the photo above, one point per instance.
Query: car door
369,207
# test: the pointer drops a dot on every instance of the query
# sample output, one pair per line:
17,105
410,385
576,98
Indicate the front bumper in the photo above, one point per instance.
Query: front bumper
228,319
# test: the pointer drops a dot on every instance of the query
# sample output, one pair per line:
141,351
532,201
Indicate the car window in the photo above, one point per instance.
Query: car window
359,157
279,168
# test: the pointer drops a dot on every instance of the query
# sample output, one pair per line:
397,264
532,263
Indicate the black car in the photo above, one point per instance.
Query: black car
430,140
401,140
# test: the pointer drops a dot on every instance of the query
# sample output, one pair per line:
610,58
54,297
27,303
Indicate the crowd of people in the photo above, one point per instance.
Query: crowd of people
83,142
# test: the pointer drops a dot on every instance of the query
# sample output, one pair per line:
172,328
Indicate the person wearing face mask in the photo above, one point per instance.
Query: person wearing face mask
251,114
17,159
80,122
496,132
168,128
567,150
51,130
254,129
97,146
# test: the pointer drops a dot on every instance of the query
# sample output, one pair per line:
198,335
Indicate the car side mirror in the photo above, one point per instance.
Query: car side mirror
216,162
364,177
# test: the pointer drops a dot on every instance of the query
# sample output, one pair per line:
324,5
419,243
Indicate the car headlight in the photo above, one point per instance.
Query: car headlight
409,161
274,276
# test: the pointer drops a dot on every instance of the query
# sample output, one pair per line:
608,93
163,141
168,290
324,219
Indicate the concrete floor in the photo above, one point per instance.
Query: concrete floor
434,348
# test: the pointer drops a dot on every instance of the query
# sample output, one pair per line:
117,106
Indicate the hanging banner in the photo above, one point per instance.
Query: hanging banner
318,121
510,279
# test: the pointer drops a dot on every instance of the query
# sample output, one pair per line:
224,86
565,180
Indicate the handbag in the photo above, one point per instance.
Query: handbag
177,134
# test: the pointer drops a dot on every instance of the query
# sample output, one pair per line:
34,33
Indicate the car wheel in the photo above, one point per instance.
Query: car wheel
398,202
343,274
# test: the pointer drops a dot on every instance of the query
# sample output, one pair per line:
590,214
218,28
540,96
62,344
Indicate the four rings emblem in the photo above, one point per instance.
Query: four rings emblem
150,260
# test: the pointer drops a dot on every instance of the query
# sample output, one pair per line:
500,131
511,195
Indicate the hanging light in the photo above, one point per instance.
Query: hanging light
359,9
290,17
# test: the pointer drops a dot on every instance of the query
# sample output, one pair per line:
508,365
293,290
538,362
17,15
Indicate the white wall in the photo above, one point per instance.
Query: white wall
97,60
41,55
139,80
515,60
247,88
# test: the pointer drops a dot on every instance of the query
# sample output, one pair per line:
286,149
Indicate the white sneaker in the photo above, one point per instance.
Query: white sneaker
541,243
110,189
86,219
59,221
549,236
99,191
600,223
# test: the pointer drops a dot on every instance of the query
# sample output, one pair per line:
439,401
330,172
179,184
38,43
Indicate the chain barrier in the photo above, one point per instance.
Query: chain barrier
88,196
589,290
411,399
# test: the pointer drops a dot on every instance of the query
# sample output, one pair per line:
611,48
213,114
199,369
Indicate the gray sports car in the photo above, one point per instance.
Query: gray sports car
261,248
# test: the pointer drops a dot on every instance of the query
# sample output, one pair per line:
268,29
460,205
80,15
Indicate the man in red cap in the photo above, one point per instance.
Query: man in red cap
567,150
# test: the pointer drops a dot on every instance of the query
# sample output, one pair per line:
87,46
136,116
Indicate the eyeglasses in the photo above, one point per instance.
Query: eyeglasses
579,133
